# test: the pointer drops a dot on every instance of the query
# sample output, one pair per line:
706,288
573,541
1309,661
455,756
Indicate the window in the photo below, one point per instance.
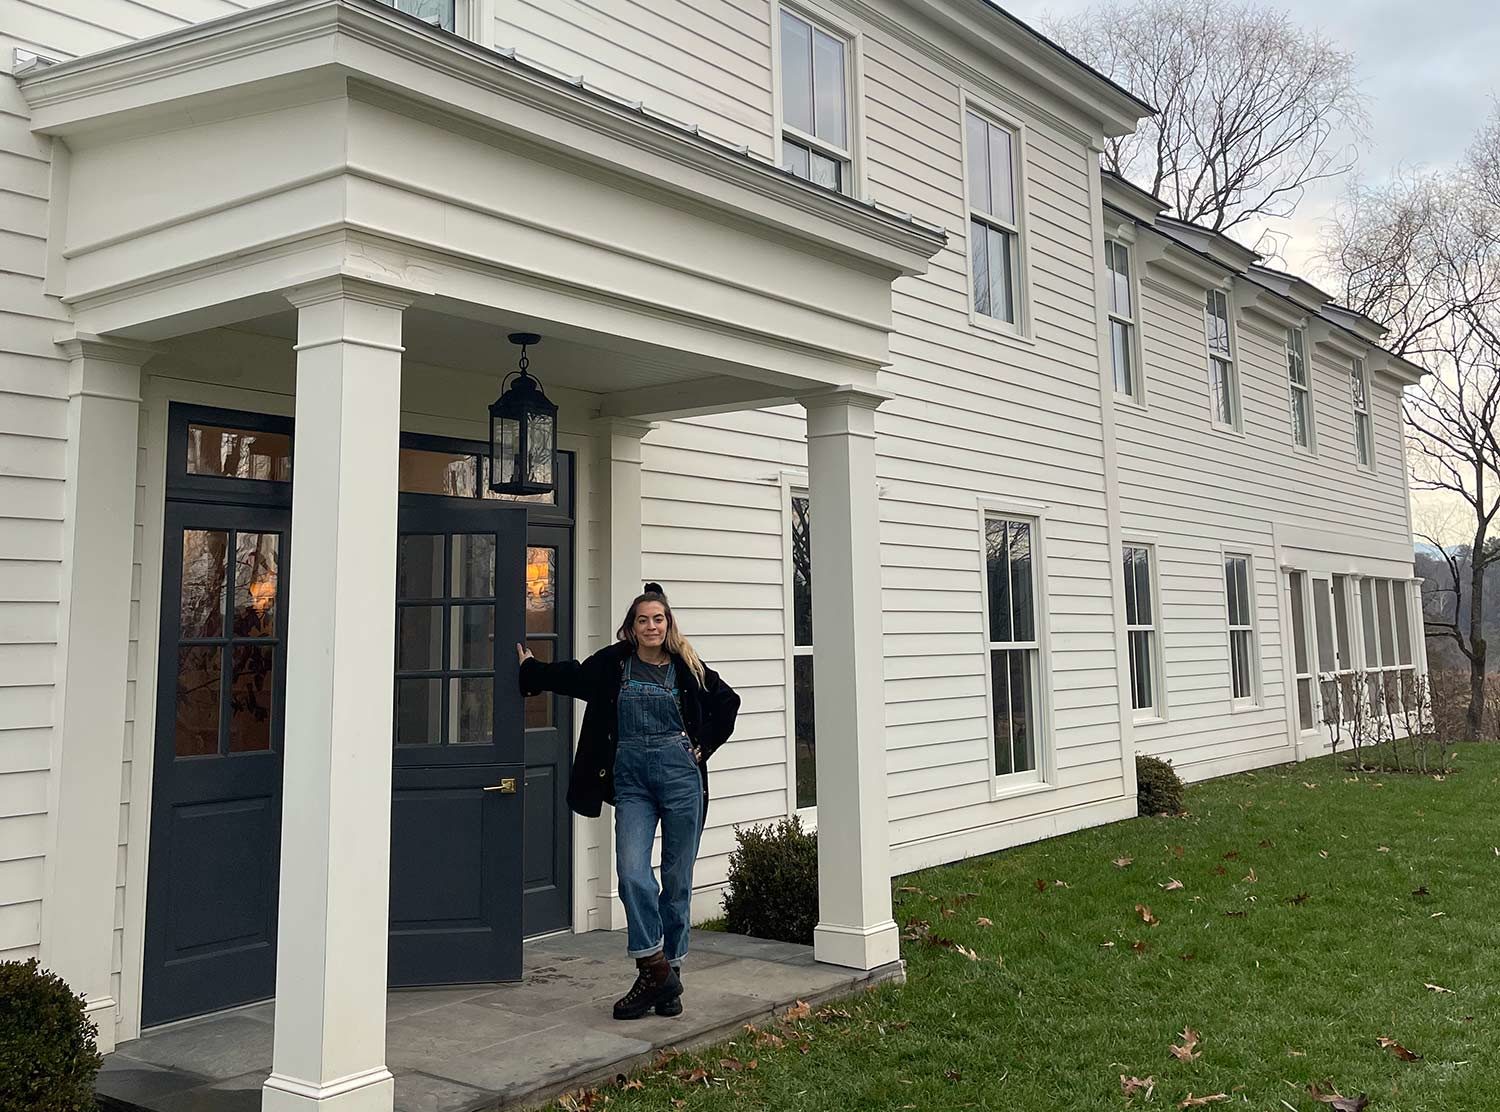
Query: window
815,123
1307,718
805,748
1386,619
1121,319
1359,387
1297,383
439,13
1223,387
994,229
1240,599
1140,628
1014,645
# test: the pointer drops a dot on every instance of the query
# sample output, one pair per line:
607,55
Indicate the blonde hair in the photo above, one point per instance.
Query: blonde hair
676,643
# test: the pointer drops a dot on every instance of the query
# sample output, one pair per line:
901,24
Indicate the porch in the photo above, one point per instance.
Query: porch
473,1047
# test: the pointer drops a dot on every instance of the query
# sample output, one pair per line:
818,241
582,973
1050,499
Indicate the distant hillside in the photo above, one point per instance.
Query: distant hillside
1437,602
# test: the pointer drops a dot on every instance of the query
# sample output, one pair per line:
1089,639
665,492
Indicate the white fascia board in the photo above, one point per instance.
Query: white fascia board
293,42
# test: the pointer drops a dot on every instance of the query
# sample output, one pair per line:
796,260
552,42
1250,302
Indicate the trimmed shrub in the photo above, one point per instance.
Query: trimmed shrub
48,1059
773,882
1158,788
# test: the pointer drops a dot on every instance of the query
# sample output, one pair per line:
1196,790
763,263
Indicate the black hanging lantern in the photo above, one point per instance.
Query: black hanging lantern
523,432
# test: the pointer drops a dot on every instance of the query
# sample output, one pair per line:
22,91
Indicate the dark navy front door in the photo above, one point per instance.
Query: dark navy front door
459,776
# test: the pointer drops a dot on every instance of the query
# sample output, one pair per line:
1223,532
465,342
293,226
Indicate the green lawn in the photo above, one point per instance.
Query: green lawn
1365,891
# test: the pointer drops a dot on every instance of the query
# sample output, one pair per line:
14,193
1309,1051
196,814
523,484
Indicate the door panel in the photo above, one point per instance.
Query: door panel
456,831
216,792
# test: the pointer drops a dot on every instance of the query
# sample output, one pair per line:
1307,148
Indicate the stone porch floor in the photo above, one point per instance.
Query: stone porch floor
483,1047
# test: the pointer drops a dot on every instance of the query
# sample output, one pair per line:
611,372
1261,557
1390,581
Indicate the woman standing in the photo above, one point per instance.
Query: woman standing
655,714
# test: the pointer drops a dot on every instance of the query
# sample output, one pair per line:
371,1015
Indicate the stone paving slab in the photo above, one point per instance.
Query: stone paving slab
479,1048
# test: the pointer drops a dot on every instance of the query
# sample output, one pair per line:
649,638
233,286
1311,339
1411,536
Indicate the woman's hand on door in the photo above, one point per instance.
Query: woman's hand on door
523,654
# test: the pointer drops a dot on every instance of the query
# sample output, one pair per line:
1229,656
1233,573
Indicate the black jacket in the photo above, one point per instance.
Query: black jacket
708,712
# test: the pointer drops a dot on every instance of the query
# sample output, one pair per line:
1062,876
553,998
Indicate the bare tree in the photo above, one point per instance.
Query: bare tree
1251,108
1421,255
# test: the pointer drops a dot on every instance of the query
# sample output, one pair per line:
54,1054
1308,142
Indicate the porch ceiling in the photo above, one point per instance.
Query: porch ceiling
308,138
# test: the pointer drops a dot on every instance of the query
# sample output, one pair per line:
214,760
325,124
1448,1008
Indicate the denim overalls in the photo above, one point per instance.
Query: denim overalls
656,780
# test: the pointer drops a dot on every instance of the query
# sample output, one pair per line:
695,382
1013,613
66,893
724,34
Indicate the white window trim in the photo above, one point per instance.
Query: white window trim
1361,369
1255,700
793,484
1311,447
1237,427
1044,776
1021,330
1158,712
1137,396
854,78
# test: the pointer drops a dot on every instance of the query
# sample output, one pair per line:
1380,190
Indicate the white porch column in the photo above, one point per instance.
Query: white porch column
854,876
329,1051
620,526
78,910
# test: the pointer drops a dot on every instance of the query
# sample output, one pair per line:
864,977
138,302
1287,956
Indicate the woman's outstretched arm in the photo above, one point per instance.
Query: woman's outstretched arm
563,677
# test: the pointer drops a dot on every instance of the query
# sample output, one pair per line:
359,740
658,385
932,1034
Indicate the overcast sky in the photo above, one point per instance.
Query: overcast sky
1431,71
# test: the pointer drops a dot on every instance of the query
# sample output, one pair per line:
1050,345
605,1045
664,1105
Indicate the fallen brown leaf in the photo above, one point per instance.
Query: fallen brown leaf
1122,862
799,1010
1336,1100
1172,885
1139,946
1132,1085
1178,851
633,1083
1232,855
1041,885
1146,917
1106,945
1299,899
909,888
1398,1050
1061,884
983,922
1323,853
1234,914
953,1075
1382,849
1435,988
1250,877
1188,1051
1266,843
1422,891
1220,870
1191,1101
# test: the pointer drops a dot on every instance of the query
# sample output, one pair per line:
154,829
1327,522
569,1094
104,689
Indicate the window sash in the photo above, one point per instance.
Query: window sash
814,82
1121,346
1359,388
1140,627
992,170
1221,373
1013,641
801,667
1240,613
1301,658
993,252
1117,262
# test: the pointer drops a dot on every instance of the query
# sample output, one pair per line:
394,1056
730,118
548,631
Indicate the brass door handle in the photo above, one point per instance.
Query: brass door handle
506,786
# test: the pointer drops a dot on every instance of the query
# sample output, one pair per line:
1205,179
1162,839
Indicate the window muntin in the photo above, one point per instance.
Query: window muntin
1140,629
1224,391
994,228
1300,388
1122,320
1013,641
804,731
815,115
1387,638
1359,389
1239,597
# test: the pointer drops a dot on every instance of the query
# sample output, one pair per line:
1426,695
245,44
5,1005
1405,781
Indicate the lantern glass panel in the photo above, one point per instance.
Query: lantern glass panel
541,444
504,434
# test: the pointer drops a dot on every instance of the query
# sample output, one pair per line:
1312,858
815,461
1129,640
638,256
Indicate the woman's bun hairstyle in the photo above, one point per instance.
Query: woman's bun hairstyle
654,589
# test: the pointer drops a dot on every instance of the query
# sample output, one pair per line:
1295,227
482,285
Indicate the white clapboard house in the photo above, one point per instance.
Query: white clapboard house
974,473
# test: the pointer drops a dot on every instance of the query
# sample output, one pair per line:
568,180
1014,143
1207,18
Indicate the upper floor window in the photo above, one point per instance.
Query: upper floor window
1121,319
815,124
1240,599
1222,380
439,13
1013,640
994,228
1359,387
1300,388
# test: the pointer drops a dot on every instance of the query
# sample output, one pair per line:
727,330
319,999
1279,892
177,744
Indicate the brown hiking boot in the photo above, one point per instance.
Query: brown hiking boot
656,982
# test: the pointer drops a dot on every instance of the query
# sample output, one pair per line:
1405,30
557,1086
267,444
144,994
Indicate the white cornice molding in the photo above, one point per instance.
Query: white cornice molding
81,94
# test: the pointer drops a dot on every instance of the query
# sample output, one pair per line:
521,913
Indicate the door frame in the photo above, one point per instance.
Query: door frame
274,398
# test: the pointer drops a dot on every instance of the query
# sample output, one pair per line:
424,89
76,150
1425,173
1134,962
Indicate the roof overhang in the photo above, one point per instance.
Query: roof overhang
1022,50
